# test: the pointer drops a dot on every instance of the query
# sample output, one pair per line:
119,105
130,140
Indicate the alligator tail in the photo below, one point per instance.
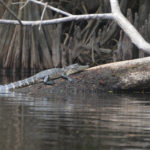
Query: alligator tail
28,81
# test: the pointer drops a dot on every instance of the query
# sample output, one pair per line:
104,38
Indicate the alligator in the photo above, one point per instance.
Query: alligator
46,76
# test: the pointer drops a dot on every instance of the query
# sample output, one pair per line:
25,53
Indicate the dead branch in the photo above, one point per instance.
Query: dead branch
128,28
116,15
59,20
11,12
42,16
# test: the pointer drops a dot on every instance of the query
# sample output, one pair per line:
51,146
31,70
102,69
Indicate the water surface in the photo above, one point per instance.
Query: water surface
88,121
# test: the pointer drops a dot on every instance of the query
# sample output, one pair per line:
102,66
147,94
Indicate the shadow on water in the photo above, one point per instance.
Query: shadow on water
88,121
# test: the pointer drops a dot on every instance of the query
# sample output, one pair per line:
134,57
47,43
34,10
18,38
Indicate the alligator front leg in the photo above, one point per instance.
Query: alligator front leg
66,77
48,82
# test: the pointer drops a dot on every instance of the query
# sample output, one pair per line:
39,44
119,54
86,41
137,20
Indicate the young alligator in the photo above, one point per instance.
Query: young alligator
44,76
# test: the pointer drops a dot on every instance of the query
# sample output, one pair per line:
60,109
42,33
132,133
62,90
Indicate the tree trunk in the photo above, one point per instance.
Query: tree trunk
119,76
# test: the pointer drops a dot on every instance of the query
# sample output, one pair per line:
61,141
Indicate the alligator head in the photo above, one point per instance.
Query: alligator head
74,68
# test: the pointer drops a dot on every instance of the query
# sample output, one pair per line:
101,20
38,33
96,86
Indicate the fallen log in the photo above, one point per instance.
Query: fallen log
124,75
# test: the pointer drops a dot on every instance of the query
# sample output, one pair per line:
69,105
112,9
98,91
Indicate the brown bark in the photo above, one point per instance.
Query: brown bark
125,75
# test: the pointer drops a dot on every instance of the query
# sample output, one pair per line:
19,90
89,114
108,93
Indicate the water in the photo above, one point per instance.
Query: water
88,121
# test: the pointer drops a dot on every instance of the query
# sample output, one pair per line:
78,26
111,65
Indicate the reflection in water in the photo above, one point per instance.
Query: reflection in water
78,122
9,75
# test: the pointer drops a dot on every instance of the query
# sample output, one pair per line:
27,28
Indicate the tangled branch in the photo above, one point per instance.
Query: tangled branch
115,14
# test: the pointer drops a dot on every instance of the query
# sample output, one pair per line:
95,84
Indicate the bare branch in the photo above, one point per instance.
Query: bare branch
17,3
116,15
24,4
11,12
59,20
43,15
51,7
128,28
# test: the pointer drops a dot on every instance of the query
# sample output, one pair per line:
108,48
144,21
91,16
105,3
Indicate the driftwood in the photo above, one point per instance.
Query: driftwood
126,75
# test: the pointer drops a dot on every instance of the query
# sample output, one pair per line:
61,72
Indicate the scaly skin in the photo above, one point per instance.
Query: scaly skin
42,76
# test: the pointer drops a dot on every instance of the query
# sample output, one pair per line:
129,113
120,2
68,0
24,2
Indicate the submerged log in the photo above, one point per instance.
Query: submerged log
125,75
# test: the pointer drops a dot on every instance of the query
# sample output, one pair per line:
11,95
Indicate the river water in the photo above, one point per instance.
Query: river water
85,121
